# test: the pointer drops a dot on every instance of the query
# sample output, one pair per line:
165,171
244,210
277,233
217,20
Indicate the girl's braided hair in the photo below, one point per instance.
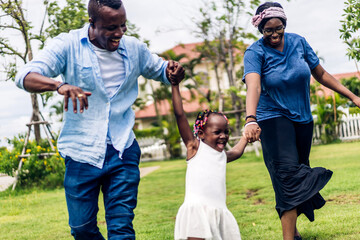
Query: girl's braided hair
202,119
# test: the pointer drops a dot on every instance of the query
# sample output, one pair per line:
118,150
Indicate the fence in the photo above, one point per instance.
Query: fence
349,128
152,149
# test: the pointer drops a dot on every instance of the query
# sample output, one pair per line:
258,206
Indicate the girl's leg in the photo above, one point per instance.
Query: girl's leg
288,223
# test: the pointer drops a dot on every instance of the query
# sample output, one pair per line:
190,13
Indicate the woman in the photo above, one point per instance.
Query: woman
277,74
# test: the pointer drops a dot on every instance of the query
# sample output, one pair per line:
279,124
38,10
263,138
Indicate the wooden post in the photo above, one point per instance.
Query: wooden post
27,137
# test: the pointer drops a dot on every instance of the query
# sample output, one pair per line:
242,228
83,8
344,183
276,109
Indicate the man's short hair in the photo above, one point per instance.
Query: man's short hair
95,5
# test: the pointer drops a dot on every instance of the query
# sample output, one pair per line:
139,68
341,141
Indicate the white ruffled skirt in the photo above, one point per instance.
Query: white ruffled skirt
201,221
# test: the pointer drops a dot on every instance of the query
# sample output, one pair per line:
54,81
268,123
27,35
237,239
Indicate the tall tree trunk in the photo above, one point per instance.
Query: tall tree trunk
235,100
34,101
35,116
221,96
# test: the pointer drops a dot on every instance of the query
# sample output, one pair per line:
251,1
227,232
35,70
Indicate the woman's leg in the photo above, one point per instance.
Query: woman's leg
304,134
279,141
297,234
288,223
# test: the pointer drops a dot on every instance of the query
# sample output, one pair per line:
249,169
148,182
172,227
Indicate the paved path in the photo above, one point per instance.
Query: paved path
146,170
7,181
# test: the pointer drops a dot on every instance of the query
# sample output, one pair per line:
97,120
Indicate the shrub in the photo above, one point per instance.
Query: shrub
40,171
153,132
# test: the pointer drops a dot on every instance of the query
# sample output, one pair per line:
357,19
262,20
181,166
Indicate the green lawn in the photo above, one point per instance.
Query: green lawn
43,214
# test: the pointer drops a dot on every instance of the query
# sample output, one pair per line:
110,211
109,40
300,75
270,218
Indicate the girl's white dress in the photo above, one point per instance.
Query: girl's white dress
204,213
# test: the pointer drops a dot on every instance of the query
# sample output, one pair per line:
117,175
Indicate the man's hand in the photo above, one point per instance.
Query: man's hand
175,72
73,92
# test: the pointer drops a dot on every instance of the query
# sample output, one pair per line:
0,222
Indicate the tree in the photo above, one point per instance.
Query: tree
221,37
326,119
350,29
13,19
13,11
325,110
224,38
353,84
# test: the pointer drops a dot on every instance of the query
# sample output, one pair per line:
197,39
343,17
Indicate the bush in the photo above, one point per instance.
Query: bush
153,132
36,171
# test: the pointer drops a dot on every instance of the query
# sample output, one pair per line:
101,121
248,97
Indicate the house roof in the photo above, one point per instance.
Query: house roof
164,106
189,49
195,106
338,76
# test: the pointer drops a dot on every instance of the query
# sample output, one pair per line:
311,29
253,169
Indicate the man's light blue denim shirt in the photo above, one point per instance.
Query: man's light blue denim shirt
83,135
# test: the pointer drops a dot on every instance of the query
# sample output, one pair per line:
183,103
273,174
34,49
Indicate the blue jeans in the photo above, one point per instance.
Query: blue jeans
118,180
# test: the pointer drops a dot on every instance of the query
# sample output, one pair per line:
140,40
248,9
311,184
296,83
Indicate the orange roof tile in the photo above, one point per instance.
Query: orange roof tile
164,107
189,49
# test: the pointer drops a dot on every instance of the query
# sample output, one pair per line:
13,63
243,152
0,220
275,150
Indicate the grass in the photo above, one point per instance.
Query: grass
43,215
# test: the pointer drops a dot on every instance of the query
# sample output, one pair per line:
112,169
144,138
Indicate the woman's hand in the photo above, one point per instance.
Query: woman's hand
251,129
356,101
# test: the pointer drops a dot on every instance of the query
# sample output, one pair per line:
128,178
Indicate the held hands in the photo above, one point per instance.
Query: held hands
75,93
252,132
175,72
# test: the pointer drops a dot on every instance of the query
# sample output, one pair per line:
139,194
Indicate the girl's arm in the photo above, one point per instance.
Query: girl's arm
329,81
253,86
191,143
237,150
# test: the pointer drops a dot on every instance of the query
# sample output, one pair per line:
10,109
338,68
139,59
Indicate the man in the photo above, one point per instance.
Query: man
100,67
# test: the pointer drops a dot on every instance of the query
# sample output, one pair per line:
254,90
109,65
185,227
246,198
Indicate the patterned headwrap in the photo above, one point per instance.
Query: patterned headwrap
202,119
268,13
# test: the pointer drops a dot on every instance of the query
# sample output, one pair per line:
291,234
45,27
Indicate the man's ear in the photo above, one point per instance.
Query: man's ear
91,22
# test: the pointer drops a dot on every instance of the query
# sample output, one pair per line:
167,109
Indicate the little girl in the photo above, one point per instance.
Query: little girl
204,214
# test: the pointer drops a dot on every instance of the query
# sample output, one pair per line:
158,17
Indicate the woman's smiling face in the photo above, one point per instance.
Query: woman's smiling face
273,33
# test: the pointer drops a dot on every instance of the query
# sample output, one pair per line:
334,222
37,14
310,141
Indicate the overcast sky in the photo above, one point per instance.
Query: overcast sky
167,23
